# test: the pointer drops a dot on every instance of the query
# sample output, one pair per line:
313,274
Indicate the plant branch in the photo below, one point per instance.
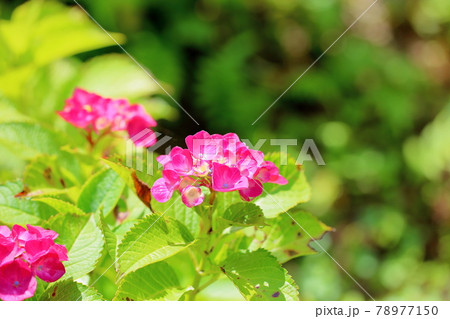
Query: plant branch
203,250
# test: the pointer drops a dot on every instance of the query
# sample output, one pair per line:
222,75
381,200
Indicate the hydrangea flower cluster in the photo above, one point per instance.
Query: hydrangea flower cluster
25,254
90,111
220,162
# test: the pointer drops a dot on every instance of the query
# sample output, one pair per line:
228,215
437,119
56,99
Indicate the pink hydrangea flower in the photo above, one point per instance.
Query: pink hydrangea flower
24,254
93,112
221,163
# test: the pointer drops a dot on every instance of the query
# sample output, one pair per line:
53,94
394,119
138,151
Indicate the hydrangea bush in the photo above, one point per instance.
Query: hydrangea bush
199,216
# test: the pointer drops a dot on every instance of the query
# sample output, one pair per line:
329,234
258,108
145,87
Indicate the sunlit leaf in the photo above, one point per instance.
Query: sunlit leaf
285,239
101,192
28,140
39,33
259,276
177,209
59,205
116,76
240,214
21,211
109,235
44,172
157,281
153,239
83,240
68,290
277,199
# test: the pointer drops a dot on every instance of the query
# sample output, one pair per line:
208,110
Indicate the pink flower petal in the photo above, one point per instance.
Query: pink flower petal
139,131
8,250
269,173
5,231
41,232
36,248
182,163
205,146
227,179
161,191
16,281
138,110
21,235
60,251
254,189
163,159
48,268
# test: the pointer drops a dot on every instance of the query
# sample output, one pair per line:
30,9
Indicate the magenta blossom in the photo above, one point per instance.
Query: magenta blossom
93,112
25,254
192,196
17,282
221,163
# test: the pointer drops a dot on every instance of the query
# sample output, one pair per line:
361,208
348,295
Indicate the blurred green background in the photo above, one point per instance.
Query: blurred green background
377,106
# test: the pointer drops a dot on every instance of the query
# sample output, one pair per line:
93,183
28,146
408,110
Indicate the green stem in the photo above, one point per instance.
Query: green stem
204,250
90,140
193,293
209,282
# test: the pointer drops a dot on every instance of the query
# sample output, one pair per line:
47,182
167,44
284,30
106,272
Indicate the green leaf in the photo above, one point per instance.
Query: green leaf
121,170
43,173
241,214
121,230
74,33
83,240
228,244
157,281
116,75
285,239
259,276
277,199
27,41
59,205
28,140
225,200
176,209
153,239
48,87
135,184
54,173
101,192
110,237
290,288
9,112
68,290
21,211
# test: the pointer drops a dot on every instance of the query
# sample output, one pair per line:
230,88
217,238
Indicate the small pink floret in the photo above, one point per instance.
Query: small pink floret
192,196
